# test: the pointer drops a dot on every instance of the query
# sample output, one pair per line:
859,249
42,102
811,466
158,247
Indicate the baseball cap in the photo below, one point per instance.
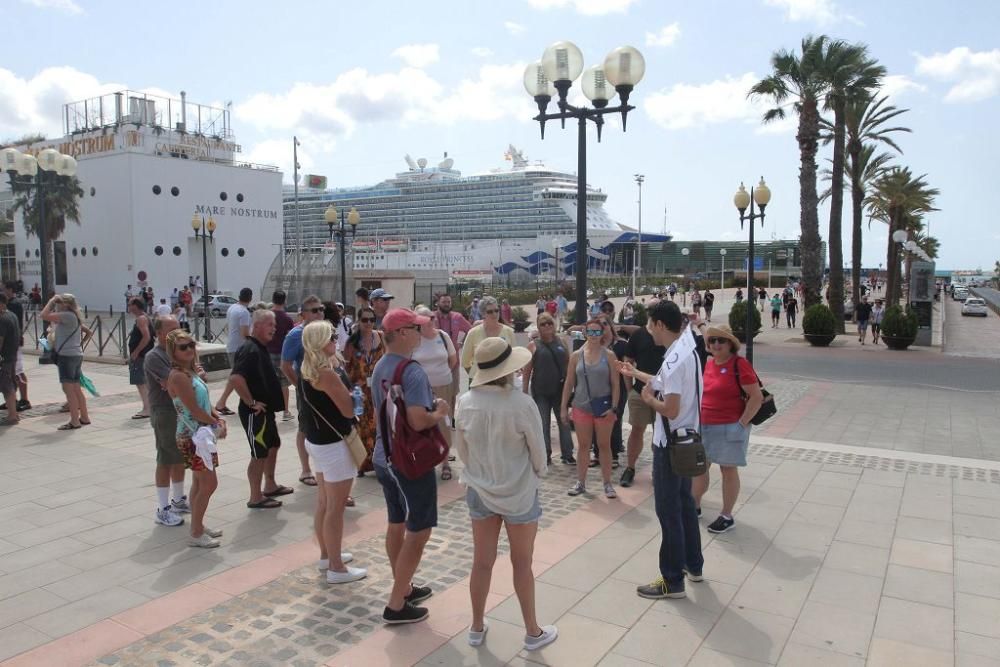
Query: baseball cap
398,318
380,294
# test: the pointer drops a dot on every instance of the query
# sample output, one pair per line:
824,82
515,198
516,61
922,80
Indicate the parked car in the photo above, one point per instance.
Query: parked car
960,294
218,304
974,306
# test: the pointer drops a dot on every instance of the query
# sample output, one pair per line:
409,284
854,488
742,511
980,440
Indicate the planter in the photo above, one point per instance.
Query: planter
520,327
741,336
897,342
820,340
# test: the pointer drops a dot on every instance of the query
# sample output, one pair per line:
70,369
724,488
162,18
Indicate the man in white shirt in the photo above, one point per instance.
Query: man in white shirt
674,394
238,321
163,309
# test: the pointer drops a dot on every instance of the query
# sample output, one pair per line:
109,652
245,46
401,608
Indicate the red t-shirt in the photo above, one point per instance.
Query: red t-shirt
551,307
722,403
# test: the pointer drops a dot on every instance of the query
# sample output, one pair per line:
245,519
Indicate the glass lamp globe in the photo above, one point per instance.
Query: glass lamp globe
762,193
722,251
624,66
535,81
211,225
48,159
330,215
562,61
28,165
596,86
353,217
10,159
66,166
899,236
685,251
742,198
195,223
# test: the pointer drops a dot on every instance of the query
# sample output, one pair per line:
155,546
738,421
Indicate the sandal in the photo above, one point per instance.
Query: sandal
224,411
446,473
84,422
350,501
280,491
308,480
139,415
69,427
266,504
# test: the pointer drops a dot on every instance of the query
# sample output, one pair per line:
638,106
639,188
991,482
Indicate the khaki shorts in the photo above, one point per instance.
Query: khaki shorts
640,415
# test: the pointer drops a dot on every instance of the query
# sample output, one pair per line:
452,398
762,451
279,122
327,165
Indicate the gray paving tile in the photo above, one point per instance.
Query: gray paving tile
86,611
834,628
18,638
750,634
848,590
915,623
917,585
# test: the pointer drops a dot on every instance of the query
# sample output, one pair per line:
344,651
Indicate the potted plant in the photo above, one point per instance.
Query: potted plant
819,325
738,321
899,328
520,316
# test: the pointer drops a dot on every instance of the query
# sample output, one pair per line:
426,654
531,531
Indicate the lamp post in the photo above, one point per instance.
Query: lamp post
205,231
560,66
27,172
722,283
687,264
555,247
347,229
637,269
760,195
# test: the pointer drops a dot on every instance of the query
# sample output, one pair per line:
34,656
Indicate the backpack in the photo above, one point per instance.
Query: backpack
413,453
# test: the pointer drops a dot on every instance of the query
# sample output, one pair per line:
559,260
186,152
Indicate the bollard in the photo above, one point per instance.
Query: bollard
85,312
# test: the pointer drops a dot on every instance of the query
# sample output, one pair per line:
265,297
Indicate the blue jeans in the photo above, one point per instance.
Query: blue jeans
680,544
547,405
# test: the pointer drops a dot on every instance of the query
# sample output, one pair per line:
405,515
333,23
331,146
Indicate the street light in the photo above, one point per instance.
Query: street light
205,231
555,247
722,283
636,270
687,266
27,172
760,195
342,232
560,66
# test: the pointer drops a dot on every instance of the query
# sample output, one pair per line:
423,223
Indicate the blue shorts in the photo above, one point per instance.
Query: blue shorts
409,501
69,369
136,371
478,510
726,444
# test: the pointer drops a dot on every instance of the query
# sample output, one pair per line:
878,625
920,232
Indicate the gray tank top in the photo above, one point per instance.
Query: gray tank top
598,377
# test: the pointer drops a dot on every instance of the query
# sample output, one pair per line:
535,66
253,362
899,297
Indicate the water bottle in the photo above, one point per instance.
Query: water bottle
359,401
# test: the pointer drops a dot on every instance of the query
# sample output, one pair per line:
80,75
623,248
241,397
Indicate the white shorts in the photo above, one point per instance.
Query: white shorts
19,362
333,461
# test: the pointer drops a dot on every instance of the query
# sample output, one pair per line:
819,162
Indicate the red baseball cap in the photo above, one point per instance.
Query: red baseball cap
398,318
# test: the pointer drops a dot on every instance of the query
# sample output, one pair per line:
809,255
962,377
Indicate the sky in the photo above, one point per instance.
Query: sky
363,84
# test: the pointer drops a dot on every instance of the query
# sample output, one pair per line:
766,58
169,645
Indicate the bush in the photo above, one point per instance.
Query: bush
898,324
639,318
738,318
819,320
519,314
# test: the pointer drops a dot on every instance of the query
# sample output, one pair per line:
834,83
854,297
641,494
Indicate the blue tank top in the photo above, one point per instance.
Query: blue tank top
186,423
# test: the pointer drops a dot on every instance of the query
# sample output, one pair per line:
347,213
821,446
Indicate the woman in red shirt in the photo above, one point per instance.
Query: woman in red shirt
727,406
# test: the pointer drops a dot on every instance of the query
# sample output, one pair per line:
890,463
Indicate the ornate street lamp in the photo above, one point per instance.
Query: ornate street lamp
205,231
637,268
554,74
555,248
722,283
346,229
27,172
759,195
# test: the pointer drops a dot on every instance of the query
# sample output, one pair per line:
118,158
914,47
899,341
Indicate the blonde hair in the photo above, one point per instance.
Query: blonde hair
69,301
315,336
173,339
545,317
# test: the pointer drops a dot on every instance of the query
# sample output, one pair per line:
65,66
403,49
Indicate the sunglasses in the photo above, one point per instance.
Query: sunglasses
184,347
595,332
366,319
716,341
546,324
316,311
492,311
415,327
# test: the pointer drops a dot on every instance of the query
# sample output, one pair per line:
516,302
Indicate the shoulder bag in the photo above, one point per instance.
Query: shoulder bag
353,441
688,457
601,404
767,409
53,356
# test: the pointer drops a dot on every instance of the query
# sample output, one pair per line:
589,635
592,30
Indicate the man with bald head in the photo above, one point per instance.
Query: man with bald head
163,419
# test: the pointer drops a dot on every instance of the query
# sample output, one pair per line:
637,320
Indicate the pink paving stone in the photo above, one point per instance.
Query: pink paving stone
553,547
451,610
80,648
580,524
391,647
175,607
246,577
296,554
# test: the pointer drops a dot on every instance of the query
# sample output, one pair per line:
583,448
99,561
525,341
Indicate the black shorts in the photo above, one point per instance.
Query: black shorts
261,430
409,501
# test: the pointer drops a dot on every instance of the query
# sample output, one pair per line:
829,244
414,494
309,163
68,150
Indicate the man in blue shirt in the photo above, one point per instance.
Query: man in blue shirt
411,503
291,360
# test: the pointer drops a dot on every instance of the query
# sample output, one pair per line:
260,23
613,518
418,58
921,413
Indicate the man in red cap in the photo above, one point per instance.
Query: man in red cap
411,503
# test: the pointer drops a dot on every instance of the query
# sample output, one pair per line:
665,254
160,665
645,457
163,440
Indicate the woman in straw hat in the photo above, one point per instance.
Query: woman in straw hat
499,439
731,398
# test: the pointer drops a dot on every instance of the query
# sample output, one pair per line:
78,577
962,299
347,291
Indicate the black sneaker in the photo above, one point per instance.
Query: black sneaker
697,510
23,405
628,476
660,589
594,463
408,614
569,460
720,525
418,594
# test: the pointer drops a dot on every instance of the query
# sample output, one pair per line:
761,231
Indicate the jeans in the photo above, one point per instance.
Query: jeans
680,544
547,405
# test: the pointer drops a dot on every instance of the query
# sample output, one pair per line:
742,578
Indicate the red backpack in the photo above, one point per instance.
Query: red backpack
413,453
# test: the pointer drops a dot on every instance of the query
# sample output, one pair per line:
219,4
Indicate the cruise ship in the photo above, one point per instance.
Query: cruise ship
506,221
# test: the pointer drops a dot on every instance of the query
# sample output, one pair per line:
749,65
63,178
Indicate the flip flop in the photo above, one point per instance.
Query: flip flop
266,504
139,415
308,480
350,501
224,411
84,423
68,427
280,491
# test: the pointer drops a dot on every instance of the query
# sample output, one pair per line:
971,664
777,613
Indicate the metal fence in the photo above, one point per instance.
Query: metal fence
109,337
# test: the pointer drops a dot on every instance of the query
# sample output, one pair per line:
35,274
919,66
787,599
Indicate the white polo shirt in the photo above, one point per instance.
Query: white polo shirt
679,374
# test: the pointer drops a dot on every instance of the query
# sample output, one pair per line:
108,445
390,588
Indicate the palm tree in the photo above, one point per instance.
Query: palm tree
901,200
802,81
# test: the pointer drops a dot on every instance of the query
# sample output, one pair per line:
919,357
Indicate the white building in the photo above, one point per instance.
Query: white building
147,165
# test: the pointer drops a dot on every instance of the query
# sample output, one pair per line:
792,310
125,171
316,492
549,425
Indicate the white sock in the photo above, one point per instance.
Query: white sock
177,490
162,499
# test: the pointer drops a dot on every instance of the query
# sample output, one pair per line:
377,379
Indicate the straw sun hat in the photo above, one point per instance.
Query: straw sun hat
722,331
495,358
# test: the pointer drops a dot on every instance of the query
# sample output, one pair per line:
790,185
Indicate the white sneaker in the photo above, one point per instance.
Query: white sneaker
609,491
323,564
477,638
352,574
180,506
166,517
549,634
213,532
204,542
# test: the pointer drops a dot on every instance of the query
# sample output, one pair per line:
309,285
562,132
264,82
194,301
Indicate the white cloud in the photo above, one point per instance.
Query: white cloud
67,6
482,52
514,28
667,35
974,75
418,55
895,85
817,11
586,7
695,105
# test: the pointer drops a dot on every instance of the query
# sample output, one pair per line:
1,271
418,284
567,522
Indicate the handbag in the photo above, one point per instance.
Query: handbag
353,441
53,354
768,408
688,457
601,404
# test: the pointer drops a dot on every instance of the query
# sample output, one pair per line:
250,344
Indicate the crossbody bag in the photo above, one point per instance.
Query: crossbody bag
53,356
768,408
601,404
688,457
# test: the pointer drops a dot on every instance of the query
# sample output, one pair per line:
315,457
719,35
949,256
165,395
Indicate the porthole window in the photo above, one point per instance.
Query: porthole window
158,250
74,252
93,191
94,251
177,251
175,191
157,190
225,252
241,252
36,253
223,196
83,251
239,197
27,254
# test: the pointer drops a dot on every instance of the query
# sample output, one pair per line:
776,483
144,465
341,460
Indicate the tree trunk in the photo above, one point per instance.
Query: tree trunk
892,263
812,262
857,219
50,254
836,216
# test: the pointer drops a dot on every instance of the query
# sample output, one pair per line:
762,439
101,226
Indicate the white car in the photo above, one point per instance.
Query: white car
974,306
960,293
218,304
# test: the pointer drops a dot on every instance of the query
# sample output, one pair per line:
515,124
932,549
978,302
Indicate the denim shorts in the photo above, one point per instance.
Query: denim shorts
69,369
478,510
726,444
409,501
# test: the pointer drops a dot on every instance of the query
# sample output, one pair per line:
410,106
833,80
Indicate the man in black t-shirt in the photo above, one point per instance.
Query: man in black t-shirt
15,306
863,313
255,381
647,356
